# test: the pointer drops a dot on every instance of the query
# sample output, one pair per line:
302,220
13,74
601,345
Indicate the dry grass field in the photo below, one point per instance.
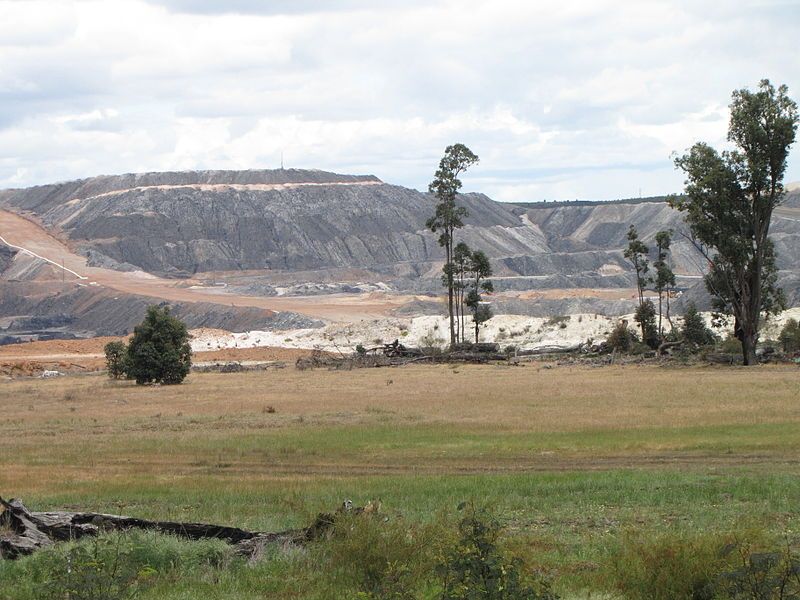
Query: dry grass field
571,457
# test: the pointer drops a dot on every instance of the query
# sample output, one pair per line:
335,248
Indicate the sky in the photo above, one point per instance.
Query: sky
561,100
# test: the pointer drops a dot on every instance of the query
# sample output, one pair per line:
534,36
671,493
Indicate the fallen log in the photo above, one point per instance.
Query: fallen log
664,346
23,532
550,350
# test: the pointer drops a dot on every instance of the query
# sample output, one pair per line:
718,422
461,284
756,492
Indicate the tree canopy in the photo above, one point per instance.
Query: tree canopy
449,216
729,200
159,350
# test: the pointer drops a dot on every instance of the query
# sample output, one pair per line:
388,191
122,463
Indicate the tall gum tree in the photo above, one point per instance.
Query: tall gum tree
729,200
449,216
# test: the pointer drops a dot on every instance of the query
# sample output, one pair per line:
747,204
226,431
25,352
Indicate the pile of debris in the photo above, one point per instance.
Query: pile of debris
237,366
396,354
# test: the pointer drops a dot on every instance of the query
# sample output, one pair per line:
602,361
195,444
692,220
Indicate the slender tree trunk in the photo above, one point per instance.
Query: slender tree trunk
669,318
449,253
461,305
660,331
475,310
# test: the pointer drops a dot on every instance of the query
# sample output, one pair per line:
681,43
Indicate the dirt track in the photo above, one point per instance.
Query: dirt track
27,234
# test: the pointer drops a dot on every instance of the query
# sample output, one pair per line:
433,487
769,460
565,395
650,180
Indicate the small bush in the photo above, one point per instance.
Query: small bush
670,567
378,558
730,345
790,337
695,331
645,316
771,575
116,359
476,569
621,338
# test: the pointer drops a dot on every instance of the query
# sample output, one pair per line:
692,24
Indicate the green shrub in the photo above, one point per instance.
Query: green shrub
669,567
378,558
476,569
730,345
621,338
645,316
116,359
159,351
790,336
771,575
695,331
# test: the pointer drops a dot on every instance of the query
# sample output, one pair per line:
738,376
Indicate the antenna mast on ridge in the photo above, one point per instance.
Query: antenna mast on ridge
281,160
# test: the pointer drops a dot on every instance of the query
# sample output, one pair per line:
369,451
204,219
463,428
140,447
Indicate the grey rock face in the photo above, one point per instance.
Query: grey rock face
329,225
335,222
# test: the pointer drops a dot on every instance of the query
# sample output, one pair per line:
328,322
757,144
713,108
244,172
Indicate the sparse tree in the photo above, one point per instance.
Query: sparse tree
636,253
449,216
729,200
116,359
159,350
664,279
481,270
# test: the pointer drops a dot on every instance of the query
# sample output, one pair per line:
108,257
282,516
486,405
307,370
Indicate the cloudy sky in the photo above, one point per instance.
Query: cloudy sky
561,100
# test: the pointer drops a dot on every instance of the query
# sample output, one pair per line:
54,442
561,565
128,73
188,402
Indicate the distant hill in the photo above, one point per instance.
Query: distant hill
286,220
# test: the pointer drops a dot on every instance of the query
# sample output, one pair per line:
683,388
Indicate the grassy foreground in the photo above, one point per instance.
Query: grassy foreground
575,460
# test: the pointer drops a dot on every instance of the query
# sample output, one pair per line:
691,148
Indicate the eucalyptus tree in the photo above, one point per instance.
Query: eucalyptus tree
449,216
664,280
480,269
729,199
636,253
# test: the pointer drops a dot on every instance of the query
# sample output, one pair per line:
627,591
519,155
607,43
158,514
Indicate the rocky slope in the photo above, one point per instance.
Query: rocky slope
183,223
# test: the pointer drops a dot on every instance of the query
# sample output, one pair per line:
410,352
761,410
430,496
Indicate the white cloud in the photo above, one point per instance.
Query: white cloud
561,99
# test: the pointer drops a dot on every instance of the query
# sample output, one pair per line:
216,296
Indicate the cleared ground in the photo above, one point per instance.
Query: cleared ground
88,355
571,458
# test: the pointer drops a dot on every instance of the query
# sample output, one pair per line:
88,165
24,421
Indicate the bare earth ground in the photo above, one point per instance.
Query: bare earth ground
87,355
25,233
